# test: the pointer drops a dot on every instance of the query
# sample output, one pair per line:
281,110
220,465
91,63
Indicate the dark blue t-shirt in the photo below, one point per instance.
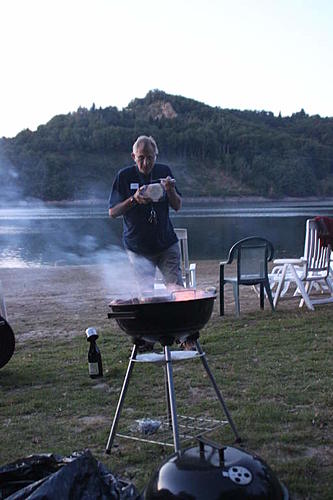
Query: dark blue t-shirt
140,235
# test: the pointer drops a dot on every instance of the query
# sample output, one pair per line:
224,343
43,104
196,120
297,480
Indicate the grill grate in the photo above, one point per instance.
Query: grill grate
189,428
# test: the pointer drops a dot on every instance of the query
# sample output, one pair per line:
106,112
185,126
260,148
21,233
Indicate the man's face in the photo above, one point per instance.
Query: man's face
144,157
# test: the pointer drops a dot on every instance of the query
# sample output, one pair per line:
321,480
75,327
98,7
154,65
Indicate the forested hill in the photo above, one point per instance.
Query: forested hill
212,151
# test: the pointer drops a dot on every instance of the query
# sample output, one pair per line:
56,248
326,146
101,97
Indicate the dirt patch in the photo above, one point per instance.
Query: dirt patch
65,300
94,420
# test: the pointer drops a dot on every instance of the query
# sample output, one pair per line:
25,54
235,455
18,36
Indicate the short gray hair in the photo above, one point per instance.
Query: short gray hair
146,140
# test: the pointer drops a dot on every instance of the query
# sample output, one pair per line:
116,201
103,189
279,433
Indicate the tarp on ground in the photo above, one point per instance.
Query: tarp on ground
51,477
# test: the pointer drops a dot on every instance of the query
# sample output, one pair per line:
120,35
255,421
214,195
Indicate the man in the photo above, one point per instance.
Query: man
148,234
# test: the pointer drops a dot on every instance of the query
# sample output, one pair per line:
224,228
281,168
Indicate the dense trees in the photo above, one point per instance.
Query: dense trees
212,151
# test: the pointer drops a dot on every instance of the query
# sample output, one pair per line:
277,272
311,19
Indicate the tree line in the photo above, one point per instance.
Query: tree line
212,151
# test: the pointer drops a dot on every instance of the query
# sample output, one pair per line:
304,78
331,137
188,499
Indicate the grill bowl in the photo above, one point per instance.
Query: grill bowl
164,320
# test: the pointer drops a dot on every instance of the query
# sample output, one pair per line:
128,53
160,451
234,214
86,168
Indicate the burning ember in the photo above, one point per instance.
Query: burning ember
189,294
166,295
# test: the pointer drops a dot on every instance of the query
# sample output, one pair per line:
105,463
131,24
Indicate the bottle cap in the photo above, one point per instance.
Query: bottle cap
91,333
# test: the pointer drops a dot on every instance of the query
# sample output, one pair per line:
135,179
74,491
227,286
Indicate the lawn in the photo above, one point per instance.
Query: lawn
274,370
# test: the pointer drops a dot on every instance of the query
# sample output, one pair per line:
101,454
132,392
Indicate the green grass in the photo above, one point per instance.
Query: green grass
274,370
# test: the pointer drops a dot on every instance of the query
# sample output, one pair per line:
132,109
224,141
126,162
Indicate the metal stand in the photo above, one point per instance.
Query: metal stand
217,391
170,396
121,399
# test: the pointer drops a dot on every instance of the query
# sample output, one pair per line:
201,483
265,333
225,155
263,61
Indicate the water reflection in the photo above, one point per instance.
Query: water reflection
15,259
85,235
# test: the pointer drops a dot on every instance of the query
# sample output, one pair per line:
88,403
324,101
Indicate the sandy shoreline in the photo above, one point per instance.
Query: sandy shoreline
65,300
50,301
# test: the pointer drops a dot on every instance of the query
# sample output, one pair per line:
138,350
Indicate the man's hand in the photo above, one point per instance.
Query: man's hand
139,196
122,207
168,183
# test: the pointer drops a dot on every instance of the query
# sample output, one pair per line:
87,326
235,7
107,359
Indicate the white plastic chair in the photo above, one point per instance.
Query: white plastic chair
309,272
188,270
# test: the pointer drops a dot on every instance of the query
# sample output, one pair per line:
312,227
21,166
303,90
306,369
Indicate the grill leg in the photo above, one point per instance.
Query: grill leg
217,391
167,397
121,400
172,399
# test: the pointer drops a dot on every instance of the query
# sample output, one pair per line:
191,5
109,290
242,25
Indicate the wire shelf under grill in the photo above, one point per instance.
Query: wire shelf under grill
189,428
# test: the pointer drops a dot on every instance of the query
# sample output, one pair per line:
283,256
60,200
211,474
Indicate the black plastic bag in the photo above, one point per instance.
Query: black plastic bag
52,477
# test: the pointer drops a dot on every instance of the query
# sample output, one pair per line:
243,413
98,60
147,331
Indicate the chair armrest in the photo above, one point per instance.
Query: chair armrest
281,262
193,277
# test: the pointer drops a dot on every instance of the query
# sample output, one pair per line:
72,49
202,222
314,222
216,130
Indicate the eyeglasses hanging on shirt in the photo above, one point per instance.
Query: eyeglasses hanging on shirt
152,219
154,191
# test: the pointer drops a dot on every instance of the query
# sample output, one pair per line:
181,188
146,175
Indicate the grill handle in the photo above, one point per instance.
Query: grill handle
220,448
122,315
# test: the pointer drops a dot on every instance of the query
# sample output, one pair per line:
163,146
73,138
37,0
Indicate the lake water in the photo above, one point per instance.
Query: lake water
63,235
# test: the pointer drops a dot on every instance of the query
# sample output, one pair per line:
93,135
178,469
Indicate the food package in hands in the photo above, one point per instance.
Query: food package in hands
153,191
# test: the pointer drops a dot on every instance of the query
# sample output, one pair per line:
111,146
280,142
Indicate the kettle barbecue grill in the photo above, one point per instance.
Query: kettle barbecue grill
179,315
217,472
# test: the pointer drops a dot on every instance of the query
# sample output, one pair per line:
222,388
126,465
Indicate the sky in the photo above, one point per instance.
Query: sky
58,55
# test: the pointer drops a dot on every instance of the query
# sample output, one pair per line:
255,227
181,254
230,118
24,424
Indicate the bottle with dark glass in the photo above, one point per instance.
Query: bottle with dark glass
94,356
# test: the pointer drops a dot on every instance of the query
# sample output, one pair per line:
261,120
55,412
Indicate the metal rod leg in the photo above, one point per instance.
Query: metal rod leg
172,398
217,391
167,397
121,400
